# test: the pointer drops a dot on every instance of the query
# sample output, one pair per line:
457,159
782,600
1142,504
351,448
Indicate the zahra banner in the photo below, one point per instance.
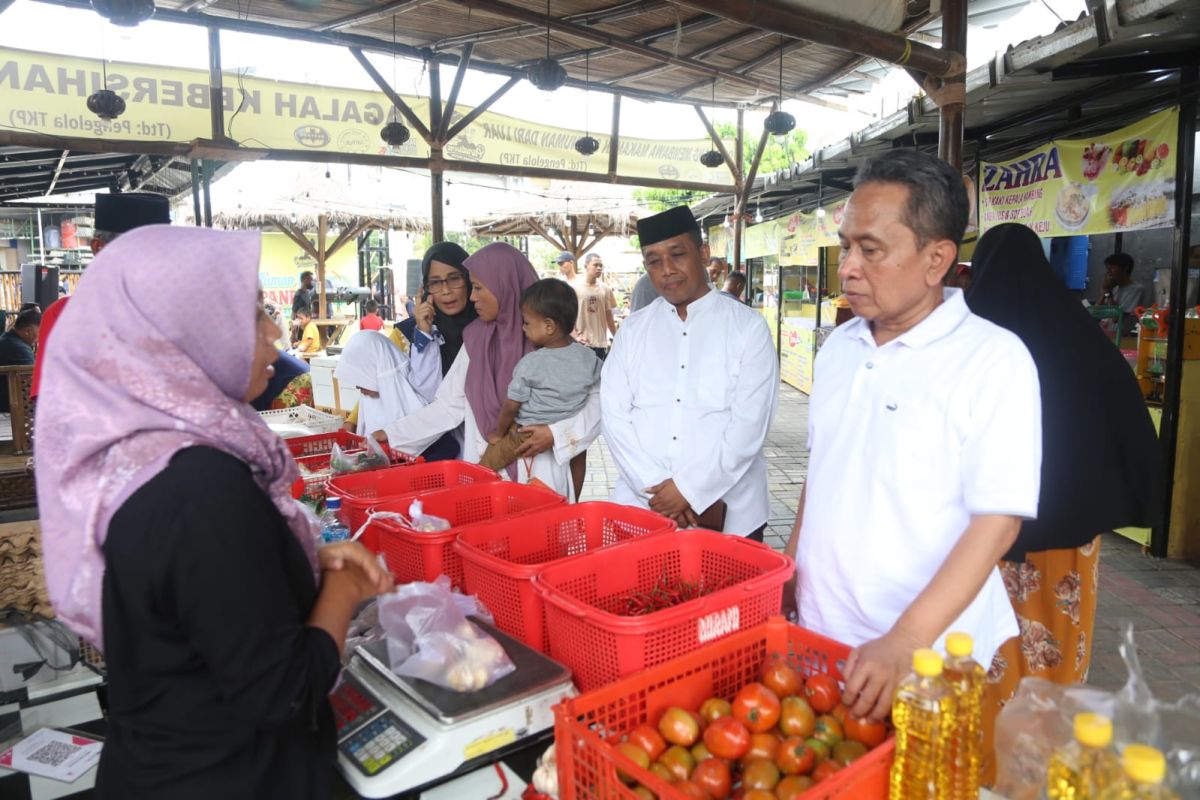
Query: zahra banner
47,93
1119,182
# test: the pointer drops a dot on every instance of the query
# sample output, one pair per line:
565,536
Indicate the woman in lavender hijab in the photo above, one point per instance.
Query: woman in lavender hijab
170,537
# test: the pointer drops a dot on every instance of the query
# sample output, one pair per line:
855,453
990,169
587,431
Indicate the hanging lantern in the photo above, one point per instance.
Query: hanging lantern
712,159
106,104
394,134
124,12
586,145
546,74
779,123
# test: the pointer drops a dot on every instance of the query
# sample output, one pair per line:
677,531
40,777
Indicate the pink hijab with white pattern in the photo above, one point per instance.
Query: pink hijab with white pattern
152,355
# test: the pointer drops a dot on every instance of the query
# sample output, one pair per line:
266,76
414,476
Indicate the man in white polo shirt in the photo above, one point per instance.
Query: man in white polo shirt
924,438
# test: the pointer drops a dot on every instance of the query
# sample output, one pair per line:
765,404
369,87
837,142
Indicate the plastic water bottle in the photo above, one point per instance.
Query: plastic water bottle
967,678
1145,773
1086,765
924,715
332,527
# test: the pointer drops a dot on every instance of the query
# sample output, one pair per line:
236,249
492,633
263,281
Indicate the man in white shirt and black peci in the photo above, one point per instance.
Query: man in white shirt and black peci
688,391
924,440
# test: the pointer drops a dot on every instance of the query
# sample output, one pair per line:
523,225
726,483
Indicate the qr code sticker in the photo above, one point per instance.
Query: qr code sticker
53,753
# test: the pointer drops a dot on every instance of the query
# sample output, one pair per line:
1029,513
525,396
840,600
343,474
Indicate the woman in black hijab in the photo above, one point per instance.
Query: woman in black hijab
1101,465
443,310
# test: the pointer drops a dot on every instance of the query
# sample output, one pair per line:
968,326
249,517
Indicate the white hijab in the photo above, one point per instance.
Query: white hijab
371,361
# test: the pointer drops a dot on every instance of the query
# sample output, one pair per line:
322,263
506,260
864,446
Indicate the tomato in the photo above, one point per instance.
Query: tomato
793,786
869,733
713,776
678,761
796,717
796,757
645,794
678,727
727,738
758,794
846,752
840,713
760,775
757,707
692,790
659,770
829,730
822,693
714,708
818,746
763,747
635,754
650,740
701,722
782,679
825,769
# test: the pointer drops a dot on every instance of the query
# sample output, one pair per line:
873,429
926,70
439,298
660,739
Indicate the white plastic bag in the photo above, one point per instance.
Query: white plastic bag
373,457
426,523
430,637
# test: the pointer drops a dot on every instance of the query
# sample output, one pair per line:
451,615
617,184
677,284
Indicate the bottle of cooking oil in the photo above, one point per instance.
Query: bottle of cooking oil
1145,770
968,679
924,714
1086,765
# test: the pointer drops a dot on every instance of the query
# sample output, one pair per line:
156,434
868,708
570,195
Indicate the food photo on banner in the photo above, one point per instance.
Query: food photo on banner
1123,181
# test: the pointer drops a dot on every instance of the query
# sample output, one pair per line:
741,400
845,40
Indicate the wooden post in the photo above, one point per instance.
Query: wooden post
953,91
322,230
196,193
216,92
614,141
436,193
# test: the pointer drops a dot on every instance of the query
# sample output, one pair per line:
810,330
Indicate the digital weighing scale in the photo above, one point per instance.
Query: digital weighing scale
397,734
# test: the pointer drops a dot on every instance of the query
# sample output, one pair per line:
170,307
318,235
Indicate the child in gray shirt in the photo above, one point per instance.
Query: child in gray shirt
553,382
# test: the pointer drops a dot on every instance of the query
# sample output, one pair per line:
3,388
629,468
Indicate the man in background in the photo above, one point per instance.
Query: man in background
371,321
16,347
1120,289
716,270
596,303
566,266
689,390
305,296
735,286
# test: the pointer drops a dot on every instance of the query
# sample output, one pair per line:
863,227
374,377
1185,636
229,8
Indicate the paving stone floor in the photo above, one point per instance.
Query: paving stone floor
1161,597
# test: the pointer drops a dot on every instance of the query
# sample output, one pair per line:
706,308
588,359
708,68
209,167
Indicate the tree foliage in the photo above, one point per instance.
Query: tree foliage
776,156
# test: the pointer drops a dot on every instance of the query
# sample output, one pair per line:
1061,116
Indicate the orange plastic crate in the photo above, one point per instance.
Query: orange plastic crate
420,556
585,595
322,443
587,727
500,558
362,490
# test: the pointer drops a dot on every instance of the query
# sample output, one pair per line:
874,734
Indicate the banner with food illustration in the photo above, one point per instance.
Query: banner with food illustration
1120,182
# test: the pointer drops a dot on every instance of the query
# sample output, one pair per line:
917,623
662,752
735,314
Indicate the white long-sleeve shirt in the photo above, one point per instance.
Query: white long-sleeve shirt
692,400
450,409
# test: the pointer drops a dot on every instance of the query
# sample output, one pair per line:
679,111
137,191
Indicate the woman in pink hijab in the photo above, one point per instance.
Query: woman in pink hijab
476,385
170,538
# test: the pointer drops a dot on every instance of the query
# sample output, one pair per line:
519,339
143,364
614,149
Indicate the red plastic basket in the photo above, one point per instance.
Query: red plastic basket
500,558
419,556
362,490
586,727
583,596
310,486
323,443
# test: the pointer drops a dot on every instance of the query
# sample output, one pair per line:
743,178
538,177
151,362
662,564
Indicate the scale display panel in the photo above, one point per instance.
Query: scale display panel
371,737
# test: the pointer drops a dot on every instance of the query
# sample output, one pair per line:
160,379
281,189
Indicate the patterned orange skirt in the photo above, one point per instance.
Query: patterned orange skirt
1054,595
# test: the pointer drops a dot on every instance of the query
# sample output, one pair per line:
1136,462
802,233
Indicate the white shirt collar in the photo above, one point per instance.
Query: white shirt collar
694,307
941,322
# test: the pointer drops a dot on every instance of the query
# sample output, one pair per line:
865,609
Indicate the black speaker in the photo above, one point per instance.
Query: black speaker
39,284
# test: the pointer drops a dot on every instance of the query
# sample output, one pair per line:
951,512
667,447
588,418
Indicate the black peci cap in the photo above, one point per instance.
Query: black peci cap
670,223
119,213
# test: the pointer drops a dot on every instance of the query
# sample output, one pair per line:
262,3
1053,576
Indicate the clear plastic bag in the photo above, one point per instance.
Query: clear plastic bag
426,523
1038,721
342,462
430,637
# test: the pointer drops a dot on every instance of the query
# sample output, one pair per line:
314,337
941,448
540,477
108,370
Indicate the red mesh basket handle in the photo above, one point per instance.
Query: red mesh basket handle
564,603
765,581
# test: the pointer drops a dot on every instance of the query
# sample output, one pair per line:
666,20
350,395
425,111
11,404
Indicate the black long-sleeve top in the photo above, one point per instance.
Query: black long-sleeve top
217,687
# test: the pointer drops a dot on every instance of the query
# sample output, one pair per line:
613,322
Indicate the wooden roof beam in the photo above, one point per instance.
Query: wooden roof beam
693,25
396,99
621,11
811,26
57,172
583,33
741,37
371,15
